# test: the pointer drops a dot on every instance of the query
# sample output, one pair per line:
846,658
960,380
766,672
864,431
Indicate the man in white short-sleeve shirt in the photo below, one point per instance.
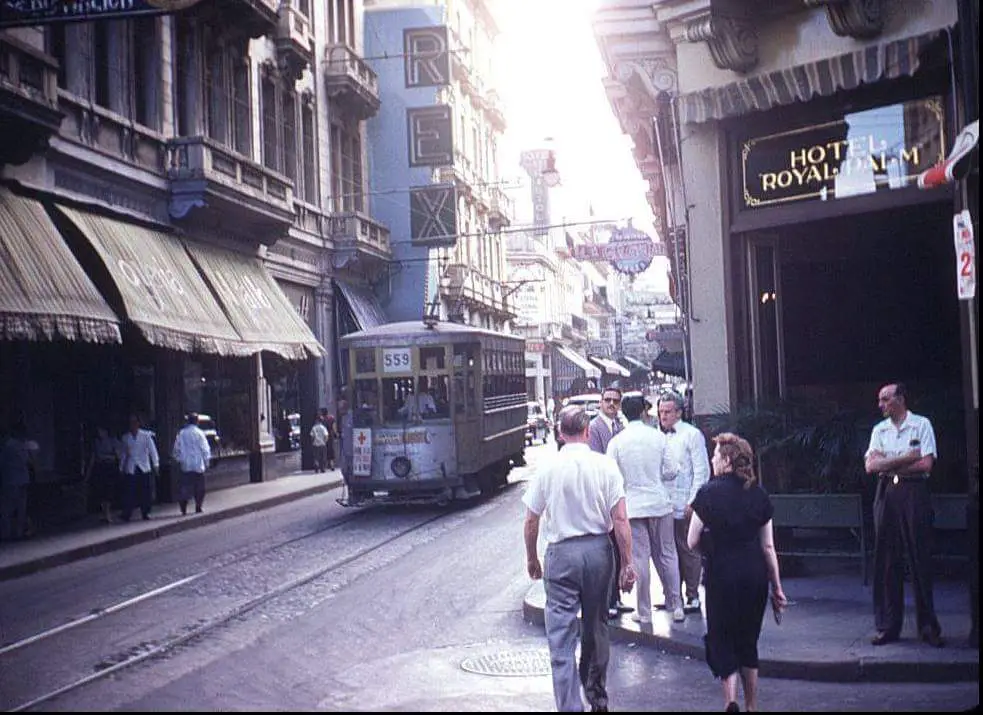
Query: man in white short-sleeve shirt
902,453
579,497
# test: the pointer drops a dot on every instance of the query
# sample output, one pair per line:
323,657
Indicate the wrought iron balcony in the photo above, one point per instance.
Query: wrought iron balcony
249,18
349,79
28,100
495,111
358,237
294,40
500,209
236,191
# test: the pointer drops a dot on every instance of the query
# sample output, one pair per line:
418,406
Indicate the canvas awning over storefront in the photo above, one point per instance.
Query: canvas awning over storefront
590,370
163,293
634,364
256,306
44,292
877,62
670,364
364,305
610,367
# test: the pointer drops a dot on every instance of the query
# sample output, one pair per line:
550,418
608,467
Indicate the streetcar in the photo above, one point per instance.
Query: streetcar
438,412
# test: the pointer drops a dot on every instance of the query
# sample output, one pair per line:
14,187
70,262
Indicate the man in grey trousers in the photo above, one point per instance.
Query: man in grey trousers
579,497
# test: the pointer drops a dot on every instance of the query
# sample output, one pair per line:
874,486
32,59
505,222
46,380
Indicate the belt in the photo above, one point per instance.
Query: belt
898,478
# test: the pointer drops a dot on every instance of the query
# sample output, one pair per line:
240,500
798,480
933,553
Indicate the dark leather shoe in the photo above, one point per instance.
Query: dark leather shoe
883,638
933,637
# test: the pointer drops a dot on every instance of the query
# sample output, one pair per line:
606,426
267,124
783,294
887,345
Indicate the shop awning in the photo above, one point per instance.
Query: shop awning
610,367
44,293
590,370
162,291
891,60
634,364
255,305
365,307
670,364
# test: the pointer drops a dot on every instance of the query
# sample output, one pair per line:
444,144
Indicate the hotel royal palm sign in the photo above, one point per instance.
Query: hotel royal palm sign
864,152
23,13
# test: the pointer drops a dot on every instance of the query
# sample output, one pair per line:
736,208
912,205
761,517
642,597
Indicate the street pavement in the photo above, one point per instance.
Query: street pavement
824,636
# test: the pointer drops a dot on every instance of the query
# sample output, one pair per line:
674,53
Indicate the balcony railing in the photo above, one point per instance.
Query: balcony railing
350,79
28,100
294,41
500,208
362,235
207,174
495,110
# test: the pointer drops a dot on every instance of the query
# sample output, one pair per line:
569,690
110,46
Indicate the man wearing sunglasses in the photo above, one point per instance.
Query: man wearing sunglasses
603,427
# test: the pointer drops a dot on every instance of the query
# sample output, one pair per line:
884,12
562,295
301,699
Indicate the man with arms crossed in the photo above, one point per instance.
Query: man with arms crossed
902,454
579,496
688,449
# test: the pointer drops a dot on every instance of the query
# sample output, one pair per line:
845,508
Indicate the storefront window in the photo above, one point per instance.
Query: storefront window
218,390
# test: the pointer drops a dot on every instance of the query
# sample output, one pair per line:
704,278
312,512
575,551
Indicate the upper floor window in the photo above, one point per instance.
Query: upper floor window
341,22
346,168
212,79
114,64
289,139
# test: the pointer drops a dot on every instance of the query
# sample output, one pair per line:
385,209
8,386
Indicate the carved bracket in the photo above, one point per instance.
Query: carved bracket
862,19
733,43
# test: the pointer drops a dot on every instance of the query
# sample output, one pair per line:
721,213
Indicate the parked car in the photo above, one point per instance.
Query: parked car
207,425
590,401
537,423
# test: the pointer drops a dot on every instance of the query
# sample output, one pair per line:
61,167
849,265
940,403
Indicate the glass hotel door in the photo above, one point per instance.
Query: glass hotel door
765,317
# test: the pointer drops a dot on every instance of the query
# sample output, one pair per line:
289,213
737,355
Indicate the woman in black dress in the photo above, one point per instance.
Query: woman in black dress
731,525
103,471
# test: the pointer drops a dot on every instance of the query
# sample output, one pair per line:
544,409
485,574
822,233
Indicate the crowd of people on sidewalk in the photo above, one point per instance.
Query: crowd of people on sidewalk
623,494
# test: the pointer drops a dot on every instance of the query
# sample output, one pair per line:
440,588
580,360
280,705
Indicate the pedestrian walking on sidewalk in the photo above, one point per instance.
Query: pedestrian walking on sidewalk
139,464
16,459
102,472
579,498
688,449
603,427
731,525
319,442
642,457
192,454
902,453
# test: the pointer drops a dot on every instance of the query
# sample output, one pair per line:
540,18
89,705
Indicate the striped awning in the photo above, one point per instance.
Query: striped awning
900,58
610,367
590,370
255,304
163,293
364,305
44,293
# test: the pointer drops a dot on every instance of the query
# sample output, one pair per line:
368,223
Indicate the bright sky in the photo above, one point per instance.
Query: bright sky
549,76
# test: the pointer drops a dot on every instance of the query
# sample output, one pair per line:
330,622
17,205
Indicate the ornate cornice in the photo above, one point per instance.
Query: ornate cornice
733,43
862,19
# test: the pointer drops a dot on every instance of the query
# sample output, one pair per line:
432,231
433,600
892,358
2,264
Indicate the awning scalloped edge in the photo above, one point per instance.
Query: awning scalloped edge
36,328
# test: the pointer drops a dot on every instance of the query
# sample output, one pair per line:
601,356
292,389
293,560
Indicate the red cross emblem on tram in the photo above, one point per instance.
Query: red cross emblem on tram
361,437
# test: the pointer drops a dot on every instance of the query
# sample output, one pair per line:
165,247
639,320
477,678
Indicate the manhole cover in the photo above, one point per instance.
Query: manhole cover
510,662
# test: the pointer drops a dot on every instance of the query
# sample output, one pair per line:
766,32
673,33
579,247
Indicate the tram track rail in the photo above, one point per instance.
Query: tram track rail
181,633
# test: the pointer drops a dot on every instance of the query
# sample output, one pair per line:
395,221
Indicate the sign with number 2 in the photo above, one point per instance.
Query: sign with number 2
962,226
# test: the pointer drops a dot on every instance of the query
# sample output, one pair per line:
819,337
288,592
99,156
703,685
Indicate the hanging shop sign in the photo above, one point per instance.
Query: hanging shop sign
962,225
629,250
26,13
874,150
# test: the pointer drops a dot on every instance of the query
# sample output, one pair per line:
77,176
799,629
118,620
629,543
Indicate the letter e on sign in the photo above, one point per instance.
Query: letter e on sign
962,227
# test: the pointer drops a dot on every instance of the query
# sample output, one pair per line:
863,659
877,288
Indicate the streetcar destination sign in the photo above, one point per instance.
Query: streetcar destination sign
24,13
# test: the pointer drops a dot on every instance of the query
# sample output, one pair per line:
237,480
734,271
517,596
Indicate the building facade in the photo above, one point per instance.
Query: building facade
782,150
183,167
433,160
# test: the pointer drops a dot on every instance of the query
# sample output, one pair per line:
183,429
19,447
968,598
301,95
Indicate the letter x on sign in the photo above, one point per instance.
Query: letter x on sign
433,215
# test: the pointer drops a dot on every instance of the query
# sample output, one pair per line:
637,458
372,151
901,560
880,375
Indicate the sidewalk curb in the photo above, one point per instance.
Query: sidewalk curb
123,541
855,670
